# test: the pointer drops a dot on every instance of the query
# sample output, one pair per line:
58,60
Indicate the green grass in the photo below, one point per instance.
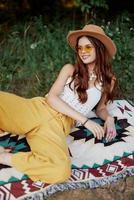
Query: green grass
32,54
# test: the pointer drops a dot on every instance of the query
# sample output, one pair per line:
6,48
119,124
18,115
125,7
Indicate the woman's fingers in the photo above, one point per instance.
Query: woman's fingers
111,134
110,129
99,132
96,129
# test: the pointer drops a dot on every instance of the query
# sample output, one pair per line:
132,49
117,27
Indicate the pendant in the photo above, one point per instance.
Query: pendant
92,76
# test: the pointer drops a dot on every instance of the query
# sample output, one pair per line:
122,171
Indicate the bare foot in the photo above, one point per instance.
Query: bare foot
2,150
5,158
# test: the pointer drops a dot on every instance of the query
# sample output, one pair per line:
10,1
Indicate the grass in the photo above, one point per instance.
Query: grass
32,54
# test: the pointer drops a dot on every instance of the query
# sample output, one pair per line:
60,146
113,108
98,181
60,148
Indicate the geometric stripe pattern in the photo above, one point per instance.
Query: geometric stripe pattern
105,170
83,149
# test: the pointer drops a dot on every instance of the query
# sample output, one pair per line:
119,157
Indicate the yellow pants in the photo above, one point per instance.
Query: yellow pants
45,130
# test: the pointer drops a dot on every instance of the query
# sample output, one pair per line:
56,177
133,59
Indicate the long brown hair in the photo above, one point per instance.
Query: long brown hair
103,71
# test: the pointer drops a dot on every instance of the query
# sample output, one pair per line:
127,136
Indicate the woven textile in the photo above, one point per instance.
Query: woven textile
94,162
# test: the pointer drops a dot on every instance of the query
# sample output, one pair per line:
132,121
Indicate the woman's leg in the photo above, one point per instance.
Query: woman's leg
16,115
48,160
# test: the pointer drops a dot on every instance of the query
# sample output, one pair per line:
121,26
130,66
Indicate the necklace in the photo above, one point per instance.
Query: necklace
92,76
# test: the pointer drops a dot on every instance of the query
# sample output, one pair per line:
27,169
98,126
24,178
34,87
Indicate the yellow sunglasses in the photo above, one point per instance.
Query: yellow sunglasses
86,49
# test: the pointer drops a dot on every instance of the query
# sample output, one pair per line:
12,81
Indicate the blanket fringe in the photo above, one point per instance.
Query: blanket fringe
93,183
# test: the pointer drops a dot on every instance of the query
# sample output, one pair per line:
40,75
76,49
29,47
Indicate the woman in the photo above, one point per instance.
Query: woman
46,122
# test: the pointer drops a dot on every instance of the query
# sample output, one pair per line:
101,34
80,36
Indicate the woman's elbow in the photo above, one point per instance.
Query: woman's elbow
98,111
51,98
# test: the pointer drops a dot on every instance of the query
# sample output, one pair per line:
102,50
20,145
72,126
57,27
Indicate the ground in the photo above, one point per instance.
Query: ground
121,190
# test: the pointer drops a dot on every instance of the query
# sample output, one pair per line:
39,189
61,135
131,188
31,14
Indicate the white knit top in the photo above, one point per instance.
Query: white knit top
71,98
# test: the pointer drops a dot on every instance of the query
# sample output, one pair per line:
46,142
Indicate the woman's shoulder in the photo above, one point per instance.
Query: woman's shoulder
68,68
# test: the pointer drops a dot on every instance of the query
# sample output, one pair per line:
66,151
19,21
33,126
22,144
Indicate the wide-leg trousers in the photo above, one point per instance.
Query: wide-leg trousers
45,130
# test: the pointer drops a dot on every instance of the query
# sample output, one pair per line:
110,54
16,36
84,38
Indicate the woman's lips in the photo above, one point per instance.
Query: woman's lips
84,57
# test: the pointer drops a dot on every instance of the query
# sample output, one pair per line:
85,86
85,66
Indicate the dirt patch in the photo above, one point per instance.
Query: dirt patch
122,190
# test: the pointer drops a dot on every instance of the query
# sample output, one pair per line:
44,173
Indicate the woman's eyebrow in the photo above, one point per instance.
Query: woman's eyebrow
90,45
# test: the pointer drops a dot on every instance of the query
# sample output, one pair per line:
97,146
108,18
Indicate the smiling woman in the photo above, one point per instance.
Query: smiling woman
46,121
86,51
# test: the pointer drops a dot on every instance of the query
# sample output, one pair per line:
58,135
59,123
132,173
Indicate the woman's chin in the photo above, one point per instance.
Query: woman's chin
86,61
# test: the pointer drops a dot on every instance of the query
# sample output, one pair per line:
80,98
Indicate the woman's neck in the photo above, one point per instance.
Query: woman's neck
91,67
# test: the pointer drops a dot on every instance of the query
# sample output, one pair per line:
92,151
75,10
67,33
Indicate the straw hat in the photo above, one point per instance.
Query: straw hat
93,31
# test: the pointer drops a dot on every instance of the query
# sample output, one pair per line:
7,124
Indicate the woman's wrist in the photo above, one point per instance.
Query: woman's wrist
84,123
110,118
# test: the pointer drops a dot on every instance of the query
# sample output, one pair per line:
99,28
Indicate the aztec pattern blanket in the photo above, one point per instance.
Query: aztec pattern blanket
94,162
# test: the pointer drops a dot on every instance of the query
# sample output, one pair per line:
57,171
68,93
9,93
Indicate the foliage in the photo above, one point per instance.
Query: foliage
32,54
122,32
88,7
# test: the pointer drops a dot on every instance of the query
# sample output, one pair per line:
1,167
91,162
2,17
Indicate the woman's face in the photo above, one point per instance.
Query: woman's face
86,50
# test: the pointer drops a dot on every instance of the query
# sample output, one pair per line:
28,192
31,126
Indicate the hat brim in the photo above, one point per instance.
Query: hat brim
108,43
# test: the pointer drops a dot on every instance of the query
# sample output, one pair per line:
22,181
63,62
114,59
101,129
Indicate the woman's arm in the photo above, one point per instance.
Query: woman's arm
58,104
102,112
101,109
53,96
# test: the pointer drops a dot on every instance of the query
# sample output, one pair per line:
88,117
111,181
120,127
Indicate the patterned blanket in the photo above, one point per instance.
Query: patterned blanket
94,162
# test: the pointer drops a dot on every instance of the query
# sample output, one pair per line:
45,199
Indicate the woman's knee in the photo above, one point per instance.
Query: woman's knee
64,171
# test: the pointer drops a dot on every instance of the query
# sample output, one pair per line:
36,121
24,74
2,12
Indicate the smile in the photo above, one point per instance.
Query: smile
85,57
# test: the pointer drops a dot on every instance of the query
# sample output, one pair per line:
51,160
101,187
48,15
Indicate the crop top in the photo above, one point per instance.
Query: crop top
71,98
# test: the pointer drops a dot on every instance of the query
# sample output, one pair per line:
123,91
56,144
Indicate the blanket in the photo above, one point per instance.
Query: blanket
94,162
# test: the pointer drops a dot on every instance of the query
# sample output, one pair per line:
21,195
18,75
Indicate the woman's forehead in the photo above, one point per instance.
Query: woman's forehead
83,40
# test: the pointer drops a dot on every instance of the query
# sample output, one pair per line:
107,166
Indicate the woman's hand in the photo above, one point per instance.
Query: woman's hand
95,128
109,128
